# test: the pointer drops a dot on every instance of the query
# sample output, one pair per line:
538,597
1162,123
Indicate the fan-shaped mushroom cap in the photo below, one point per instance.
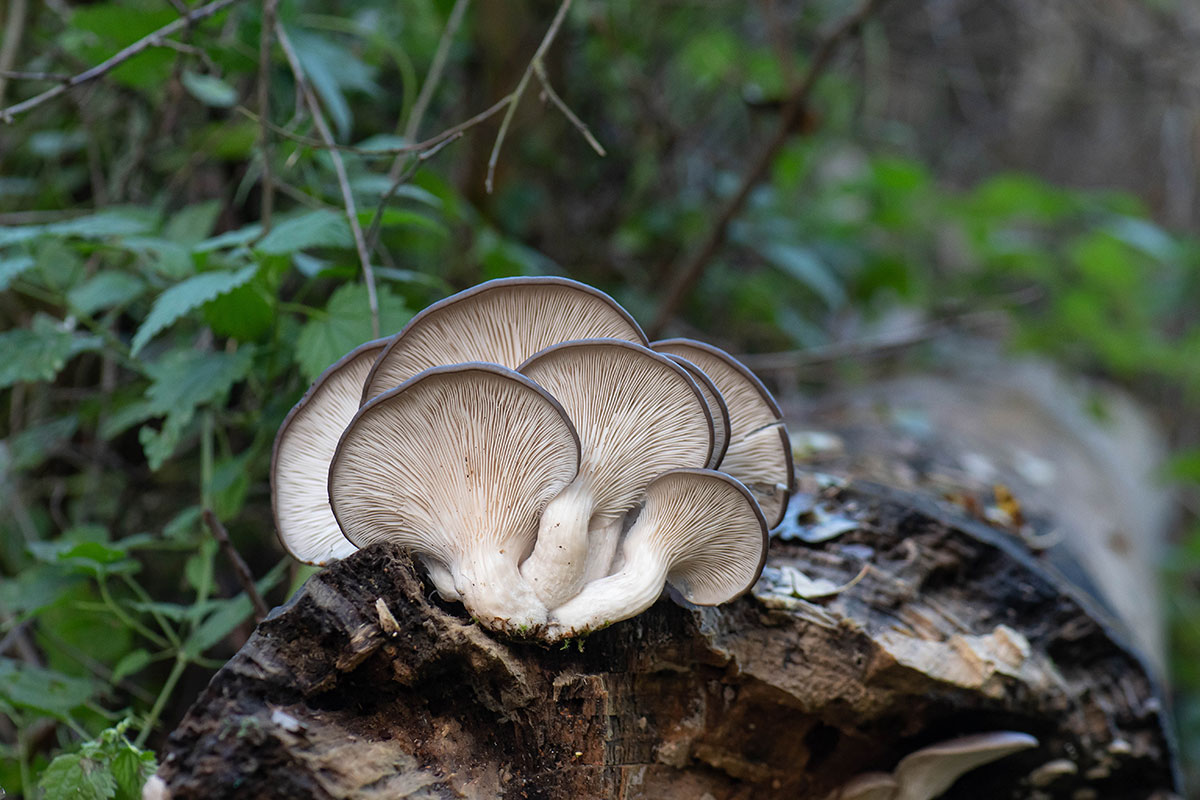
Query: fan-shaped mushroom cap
716,408
638,415
930,771
699,529
504,322
759,453
868,786
457,464
303,450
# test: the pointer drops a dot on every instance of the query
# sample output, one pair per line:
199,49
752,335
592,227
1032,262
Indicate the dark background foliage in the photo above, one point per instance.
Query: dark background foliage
174,272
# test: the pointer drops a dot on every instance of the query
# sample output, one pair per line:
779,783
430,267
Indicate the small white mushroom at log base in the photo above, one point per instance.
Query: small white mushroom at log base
930,771
759,453
503,322
457,465
699,529
303,450
638,415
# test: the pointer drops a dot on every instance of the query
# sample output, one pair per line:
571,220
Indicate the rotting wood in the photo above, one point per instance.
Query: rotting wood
955,628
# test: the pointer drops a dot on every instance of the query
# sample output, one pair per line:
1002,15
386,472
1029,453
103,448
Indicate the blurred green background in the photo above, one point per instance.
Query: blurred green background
162,309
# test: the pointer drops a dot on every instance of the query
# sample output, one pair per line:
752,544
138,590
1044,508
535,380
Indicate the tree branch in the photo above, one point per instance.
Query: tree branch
339,167
539,69
240,570
154,39
688,271
264,111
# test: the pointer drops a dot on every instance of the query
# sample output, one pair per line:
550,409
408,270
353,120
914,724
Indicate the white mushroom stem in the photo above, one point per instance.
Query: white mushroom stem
441,579
627,593
555,570
494,592
602,539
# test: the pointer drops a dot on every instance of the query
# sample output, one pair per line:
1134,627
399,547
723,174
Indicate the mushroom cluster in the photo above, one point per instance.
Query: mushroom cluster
547,465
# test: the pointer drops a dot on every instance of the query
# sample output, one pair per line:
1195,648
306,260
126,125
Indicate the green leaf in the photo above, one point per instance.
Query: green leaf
38,354
128,222
218,625
189,226
242,236
186,296
72,777
131,663
32,446
132,768
170,259
245,314
346,324
108,289
11,267
806,268
208,89
323,228
42,690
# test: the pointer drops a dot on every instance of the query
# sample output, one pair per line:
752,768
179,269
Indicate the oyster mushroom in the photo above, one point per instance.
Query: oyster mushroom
303,449
699,529
504,322
759,453
457,465
638,415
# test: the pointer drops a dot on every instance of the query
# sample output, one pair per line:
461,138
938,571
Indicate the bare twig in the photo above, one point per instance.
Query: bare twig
240,570
17,75
264,111
414,164
539,69
685,275
519,92
14,28
339,167
403,167
148,41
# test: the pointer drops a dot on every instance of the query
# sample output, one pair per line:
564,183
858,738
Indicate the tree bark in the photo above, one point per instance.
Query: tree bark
366,686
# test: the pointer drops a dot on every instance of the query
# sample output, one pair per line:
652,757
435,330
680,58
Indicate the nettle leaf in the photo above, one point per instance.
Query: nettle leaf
208,89
39,353
72,777
115,222
41,690
11,267
323,228
186,296
189,226
32,446
241,236
345,325
180,382
169,259
108,289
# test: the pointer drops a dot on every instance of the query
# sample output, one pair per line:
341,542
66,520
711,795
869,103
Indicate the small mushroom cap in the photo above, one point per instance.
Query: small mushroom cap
759,453
716,408
303,450
930,771
504,322
711,531
458,459
638,415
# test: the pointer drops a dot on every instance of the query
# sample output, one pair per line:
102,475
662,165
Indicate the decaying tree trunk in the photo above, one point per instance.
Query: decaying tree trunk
364,687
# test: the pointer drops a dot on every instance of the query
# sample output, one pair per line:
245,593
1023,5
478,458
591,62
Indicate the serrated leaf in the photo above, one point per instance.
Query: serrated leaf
43,690
345,325
104,224
38,354
32,446
20,233
237,238
245,314
208,89
323,228
11,267
170,259
108,289
186,296
218,625
189,226
72,777
132,768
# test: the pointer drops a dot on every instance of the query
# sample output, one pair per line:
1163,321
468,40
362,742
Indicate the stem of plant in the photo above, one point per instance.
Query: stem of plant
181,662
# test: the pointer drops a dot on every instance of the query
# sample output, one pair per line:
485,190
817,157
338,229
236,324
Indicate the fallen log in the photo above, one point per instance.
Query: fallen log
366,686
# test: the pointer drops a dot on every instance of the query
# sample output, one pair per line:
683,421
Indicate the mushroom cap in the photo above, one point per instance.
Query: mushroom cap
716,408
304,448
930,771
867,786
710,530
638,415
759,453
503,321
457,459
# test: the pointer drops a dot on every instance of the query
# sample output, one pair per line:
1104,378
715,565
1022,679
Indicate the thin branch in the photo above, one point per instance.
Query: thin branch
264,111
17,75
14,29
414,164
436,68
240,570
685,275
339,167
154,39
519,92
539,69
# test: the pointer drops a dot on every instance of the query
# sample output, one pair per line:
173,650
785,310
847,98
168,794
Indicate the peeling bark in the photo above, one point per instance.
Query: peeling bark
953,628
